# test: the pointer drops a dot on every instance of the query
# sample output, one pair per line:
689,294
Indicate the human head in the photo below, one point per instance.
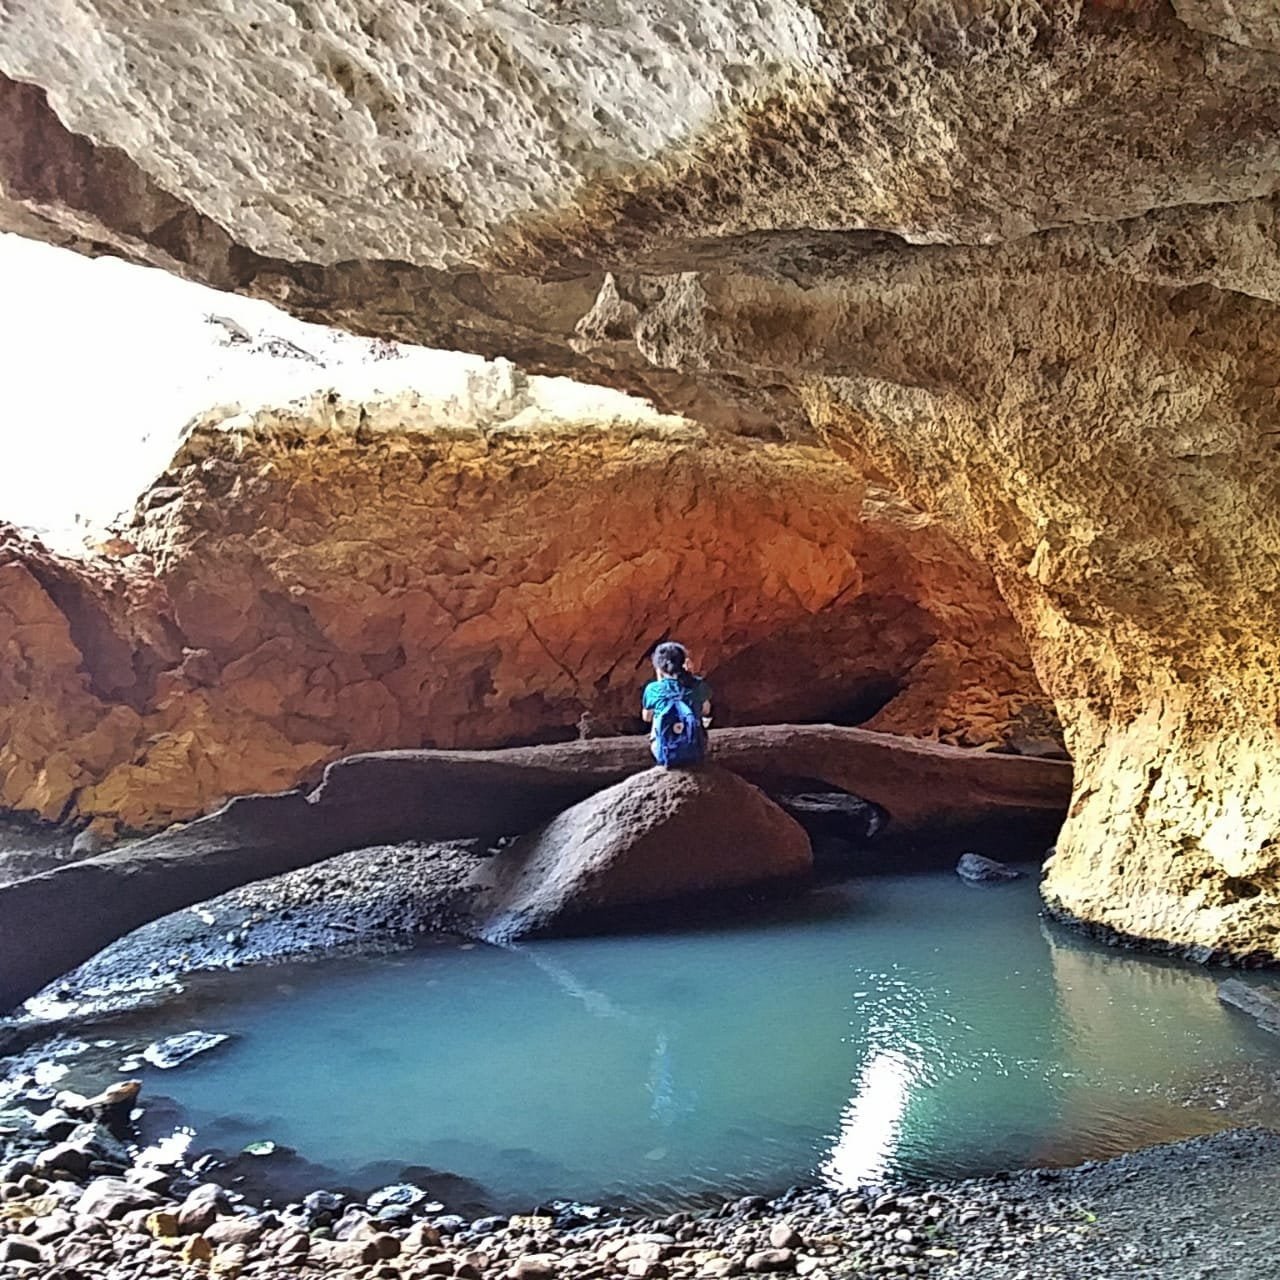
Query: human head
669,658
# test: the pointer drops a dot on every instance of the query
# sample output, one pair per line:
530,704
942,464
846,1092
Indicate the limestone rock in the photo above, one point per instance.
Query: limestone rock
661,834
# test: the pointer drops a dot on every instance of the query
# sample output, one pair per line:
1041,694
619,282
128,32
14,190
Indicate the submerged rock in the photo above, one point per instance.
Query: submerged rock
173,1051
977,869
1261,1005
659,835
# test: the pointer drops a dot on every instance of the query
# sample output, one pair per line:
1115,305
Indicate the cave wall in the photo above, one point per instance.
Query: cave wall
340,576
1016,261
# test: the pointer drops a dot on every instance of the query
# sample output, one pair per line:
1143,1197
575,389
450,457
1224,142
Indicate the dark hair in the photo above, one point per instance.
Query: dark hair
670,657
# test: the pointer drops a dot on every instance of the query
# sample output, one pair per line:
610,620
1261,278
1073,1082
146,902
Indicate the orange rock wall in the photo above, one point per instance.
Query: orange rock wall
342,577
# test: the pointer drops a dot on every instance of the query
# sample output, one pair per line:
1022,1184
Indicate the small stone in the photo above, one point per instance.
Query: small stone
55,1124
769,1260
533,1266
422,1235
321,1207
784,1236
162,1224
149,1179
647,1269
113,1197
465,1270
229,1260
16,1170
387,1245
89,842
202,1208
65,1157
196,1249
227,1231
13,1249
441,1266
50,1227
719,1268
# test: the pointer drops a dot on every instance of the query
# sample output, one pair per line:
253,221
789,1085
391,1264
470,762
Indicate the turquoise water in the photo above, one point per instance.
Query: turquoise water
901,1025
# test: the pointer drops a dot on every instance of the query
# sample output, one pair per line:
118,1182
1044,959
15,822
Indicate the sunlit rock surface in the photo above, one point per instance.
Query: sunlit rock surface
1017,260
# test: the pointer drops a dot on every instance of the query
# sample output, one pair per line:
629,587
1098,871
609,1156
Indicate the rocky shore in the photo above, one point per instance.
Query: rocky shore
83,1205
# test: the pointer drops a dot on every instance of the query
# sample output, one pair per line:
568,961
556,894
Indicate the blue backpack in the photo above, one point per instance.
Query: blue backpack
678,734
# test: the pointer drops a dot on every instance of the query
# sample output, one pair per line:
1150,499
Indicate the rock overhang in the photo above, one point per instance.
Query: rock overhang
1016,259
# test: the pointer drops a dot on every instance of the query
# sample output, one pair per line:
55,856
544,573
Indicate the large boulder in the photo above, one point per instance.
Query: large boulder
659,835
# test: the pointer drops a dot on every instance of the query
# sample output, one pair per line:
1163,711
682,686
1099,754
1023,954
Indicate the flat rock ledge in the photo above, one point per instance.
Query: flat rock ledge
52,922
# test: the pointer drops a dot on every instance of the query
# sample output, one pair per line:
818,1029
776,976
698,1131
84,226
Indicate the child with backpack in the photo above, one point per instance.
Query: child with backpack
677,704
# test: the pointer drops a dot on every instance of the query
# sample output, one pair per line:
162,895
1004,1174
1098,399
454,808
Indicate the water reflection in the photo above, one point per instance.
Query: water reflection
866,1146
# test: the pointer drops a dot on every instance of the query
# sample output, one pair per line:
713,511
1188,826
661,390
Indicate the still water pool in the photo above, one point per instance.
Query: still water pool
899,1025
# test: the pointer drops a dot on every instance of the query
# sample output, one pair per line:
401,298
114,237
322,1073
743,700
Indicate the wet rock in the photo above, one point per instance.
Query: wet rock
977,869
15,1170
173,1051
55,1124
149,1179
114,1105
403,1195
320,1208
1261,1005
65,1157
834,814
89,842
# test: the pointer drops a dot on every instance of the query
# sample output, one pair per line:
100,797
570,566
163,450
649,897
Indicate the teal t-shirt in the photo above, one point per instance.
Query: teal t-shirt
657,693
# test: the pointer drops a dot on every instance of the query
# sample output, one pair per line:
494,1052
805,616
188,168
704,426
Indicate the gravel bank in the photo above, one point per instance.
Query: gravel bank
79,1209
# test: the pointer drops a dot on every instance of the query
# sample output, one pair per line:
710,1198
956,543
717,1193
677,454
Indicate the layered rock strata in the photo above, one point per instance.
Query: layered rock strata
343,576
1018,259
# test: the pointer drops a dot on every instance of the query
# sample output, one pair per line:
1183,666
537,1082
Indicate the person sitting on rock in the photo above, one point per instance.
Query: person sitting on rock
677,706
